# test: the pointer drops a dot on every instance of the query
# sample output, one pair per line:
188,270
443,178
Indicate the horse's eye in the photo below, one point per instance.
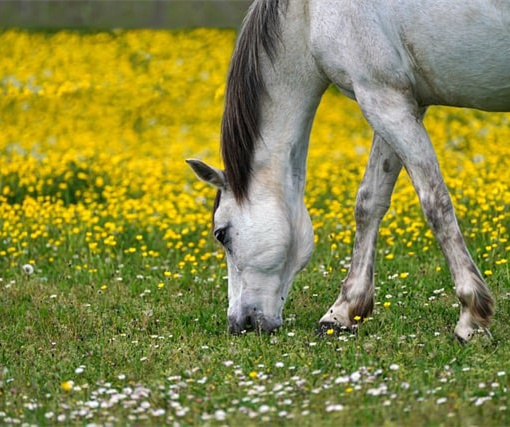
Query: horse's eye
221,235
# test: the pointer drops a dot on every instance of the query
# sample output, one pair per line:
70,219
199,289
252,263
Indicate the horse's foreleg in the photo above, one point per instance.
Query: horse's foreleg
395,116
356,299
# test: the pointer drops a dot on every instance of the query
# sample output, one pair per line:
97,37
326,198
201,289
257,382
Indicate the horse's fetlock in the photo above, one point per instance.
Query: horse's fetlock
477,303
361,307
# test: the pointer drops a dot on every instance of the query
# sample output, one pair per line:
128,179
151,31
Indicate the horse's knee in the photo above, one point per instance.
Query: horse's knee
438,208
368,207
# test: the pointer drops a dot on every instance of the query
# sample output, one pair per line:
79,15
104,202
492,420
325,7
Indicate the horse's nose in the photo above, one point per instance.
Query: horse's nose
253,321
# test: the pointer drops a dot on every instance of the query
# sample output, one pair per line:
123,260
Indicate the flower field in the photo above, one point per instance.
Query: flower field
113,305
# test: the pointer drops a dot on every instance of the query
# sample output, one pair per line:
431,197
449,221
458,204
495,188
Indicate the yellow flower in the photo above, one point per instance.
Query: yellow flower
161,285
98,197
253,375
330,331
67,385
387,304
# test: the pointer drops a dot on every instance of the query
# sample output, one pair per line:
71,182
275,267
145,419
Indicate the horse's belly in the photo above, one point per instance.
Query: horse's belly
489,93
467,78
460,55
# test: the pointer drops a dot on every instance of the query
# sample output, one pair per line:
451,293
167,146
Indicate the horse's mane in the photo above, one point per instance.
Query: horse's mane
240,124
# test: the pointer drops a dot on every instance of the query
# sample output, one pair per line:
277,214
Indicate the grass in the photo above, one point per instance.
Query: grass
123,320
148,357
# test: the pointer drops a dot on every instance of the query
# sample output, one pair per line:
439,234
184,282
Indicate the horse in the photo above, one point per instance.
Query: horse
395,58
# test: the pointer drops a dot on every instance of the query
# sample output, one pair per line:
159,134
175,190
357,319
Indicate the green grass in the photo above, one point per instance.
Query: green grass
140,354
123,321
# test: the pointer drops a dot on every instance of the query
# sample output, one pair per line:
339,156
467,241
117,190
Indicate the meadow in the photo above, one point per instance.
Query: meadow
113,292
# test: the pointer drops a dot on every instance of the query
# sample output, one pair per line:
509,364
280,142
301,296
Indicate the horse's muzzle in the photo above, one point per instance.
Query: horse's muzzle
253,322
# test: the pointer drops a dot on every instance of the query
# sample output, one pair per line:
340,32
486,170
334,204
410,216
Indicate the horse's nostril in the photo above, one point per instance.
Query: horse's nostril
242,325
250,323
253,321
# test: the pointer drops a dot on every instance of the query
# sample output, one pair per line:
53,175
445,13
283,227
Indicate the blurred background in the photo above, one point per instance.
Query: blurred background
128,14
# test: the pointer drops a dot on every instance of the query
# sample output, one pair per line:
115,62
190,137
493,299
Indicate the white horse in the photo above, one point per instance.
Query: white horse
395,58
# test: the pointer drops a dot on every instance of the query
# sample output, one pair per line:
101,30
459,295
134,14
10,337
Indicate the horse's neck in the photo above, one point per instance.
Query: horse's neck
282,149
294,87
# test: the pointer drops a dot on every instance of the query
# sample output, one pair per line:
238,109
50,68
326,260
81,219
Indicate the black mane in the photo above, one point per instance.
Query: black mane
240,124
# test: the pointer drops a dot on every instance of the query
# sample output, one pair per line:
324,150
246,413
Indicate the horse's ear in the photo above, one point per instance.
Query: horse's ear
206,173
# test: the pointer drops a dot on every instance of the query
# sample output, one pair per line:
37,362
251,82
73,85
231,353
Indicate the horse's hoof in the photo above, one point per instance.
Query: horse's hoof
459,339
464,336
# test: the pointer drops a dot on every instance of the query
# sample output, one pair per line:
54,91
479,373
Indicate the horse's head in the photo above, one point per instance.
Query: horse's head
266,241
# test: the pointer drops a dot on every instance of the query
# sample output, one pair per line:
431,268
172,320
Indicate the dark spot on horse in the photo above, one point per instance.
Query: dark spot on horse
438,208
386,165
362,217
364,195
361,211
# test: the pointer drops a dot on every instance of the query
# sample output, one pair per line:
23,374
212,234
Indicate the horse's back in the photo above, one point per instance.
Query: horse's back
451,52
